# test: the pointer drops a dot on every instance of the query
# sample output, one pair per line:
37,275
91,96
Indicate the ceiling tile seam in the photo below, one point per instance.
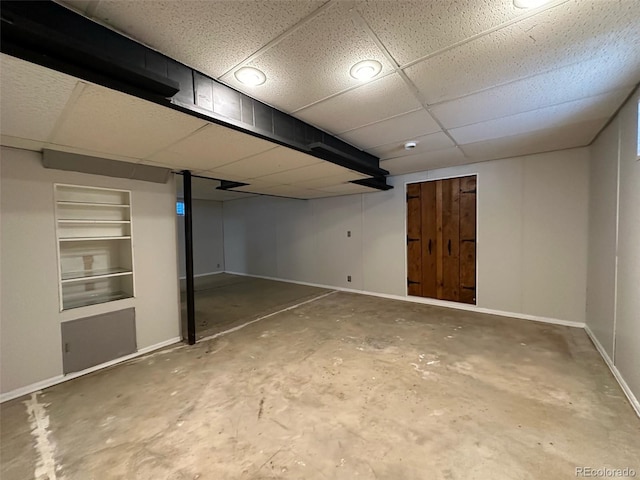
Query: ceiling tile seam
410,85
254,155
275,41
484,33
92,8
516,80
383,120
348,89
168,147
403,141
508,157
66,111
430,152
608,92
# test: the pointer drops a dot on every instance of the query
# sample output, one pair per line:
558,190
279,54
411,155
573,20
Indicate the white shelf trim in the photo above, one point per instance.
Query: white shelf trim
90,222
63,203
84,239
95,277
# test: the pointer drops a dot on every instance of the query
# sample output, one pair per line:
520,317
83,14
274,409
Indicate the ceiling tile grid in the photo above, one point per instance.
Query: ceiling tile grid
32,98
219,34
424,143
313,62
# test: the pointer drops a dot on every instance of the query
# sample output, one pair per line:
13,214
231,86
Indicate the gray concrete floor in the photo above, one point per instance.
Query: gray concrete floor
345,387
221,301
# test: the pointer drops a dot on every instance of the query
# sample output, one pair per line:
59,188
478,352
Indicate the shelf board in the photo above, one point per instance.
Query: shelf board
84,239
83,276
84,300
88,221
63,203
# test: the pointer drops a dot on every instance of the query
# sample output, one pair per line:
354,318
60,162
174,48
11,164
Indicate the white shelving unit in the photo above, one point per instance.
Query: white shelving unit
93,227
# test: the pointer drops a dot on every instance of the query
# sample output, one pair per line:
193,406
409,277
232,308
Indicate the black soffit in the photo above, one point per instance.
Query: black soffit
55,37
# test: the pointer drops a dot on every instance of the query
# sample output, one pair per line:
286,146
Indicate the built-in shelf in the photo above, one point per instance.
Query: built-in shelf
94,245
94,299
86,239
84,275
89,222
90,204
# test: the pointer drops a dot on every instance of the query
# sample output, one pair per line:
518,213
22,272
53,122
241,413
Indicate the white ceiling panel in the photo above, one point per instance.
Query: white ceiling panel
104,120
596,76
411,29
372,102
574,135
318,171
272,161
569,33
407,125
425,143
219,34
313,62
593,108
348,188
204,189
424,161
32,98
211,147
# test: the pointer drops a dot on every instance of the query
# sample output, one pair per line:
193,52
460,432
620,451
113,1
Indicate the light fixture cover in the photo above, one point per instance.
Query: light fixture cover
365,69
250,76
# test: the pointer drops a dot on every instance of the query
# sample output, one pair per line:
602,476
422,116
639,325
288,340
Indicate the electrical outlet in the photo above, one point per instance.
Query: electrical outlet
348,233
348,278
218,266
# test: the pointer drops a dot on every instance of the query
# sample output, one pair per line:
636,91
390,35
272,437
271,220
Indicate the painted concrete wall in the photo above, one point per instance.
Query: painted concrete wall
532,235
208,248
613,308
30,340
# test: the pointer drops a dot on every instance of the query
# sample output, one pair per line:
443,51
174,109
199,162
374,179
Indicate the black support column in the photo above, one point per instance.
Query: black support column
188,242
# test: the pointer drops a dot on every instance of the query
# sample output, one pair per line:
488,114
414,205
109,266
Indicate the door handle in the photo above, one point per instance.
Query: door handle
429,246
449,246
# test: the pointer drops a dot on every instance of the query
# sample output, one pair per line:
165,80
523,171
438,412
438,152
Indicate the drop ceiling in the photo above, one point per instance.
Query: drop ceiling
470,80
75,116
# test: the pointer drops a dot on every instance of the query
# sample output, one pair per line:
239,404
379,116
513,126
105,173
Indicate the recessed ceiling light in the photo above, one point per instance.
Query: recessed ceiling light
250,76
366,69
529,3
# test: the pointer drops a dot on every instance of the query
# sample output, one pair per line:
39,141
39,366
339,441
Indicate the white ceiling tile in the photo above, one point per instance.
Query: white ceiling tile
592,108
348,188
321,183
372,102
590,78
569,136
314,61
205,189
569,33
104,120
272,161
411,29
210,36
318,171
425,143
210,147
424,161
394,129
33,98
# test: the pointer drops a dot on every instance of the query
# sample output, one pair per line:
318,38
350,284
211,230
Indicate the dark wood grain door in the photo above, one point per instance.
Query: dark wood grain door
441,239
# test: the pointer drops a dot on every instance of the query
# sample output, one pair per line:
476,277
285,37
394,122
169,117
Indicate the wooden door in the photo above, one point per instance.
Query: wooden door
441,239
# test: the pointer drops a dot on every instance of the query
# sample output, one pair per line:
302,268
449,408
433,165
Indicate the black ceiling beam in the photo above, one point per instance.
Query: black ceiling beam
53,36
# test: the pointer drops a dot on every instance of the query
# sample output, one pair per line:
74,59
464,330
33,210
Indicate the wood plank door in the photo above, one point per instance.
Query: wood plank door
441,239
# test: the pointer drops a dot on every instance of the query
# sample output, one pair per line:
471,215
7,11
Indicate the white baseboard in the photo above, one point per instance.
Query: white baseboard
428,301
203,274
49,382
616,373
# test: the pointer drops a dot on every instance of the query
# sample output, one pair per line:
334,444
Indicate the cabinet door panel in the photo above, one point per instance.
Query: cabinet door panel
414,241
450,281
429,237
468,240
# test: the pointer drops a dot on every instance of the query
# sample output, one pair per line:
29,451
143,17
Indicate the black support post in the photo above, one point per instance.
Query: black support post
188,237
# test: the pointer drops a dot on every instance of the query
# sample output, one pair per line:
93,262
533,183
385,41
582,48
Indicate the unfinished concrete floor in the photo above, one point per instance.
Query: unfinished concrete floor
344,387
221,300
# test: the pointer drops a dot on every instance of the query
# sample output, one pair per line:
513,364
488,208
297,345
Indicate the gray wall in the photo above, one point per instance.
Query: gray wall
30,345
613,306
208,248
532,236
